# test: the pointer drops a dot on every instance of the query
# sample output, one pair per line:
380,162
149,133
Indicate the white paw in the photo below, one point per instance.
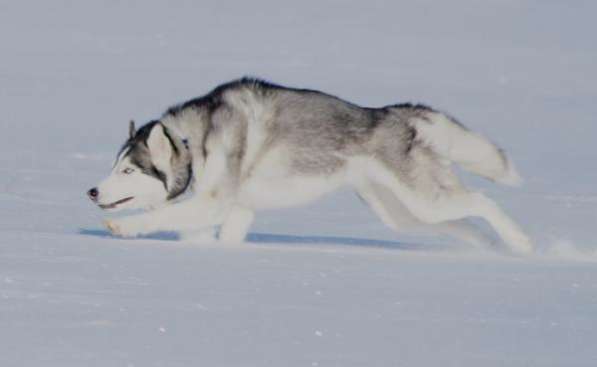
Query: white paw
121,227
231,237
521,244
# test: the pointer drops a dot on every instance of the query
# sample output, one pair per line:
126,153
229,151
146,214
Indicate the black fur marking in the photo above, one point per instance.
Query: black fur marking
184,187
159,175
172,144
411,139
417,106
205,135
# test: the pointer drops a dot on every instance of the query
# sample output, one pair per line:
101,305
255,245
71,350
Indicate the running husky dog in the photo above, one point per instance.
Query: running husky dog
251,145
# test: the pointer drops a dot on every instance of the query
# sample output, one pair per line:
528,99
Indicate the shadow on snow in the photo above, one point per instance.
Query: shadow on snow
289,239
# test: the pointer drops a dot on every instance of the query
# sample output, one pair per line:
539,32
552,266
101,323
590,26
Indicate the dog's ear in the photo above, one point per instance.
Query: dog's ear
159,146
132,129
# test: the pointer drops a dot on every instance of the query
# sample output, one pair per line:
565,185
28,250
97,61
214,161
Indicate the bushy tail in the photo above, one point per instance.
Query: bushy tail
473,152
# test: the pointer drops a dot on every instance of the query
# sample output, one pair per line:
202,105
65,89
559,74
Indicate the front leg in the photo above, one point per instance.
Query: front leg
236,225
195,213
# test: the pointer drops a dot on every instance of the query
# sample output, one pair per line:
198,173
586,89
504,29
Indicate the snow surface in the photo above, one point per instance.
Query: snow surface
324,285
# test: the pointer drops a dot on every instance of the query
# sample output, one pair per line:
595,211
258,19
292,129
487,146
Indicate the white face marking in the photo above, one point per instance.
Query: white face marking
127,181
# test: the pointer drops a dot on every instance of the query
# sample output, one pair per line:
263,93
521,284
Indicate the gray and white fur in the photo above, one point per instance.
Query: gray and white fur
250,145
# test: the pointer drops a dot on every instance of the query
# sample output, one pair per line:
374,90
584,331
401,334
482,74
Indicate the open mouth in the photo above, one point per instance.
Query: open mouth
115,204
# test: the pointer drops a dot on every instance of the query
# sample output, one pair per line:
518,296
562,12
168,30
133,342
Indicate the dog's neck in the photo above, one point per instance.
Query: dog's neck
190,128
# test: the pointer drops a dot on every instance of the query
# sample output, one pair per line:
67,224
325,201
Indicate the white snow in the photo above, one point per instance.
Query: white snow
324,285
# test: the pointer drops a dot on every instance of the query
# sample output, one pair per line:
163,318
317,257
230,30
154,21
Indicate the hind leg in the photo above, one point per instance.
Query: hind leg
396,216
439,204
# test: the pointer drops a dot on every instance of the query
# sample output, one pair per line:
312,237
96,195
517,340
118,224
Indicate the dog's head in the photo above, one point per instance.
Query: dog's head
152,167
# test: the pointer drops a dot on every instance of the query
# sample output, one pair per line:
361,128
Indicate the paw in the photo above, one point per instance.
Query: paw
231,234
120,227
231,238
521,244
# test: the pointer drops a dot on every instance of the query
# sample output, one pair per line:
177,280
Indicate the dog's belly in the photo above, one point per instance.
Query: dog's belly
276,181
279,192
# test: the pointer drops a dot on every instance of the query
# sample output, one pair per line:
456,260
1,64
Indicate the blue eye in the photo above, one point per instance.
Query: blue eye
127,171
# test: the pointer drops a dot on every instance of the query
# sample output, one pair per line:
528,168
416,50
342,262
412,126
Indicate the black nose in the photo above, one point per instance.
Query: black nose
93,194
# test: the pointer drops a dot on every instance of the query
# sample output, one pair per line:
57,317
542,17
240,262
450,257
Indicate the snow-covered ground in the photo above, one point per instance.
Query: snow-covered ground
324,285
